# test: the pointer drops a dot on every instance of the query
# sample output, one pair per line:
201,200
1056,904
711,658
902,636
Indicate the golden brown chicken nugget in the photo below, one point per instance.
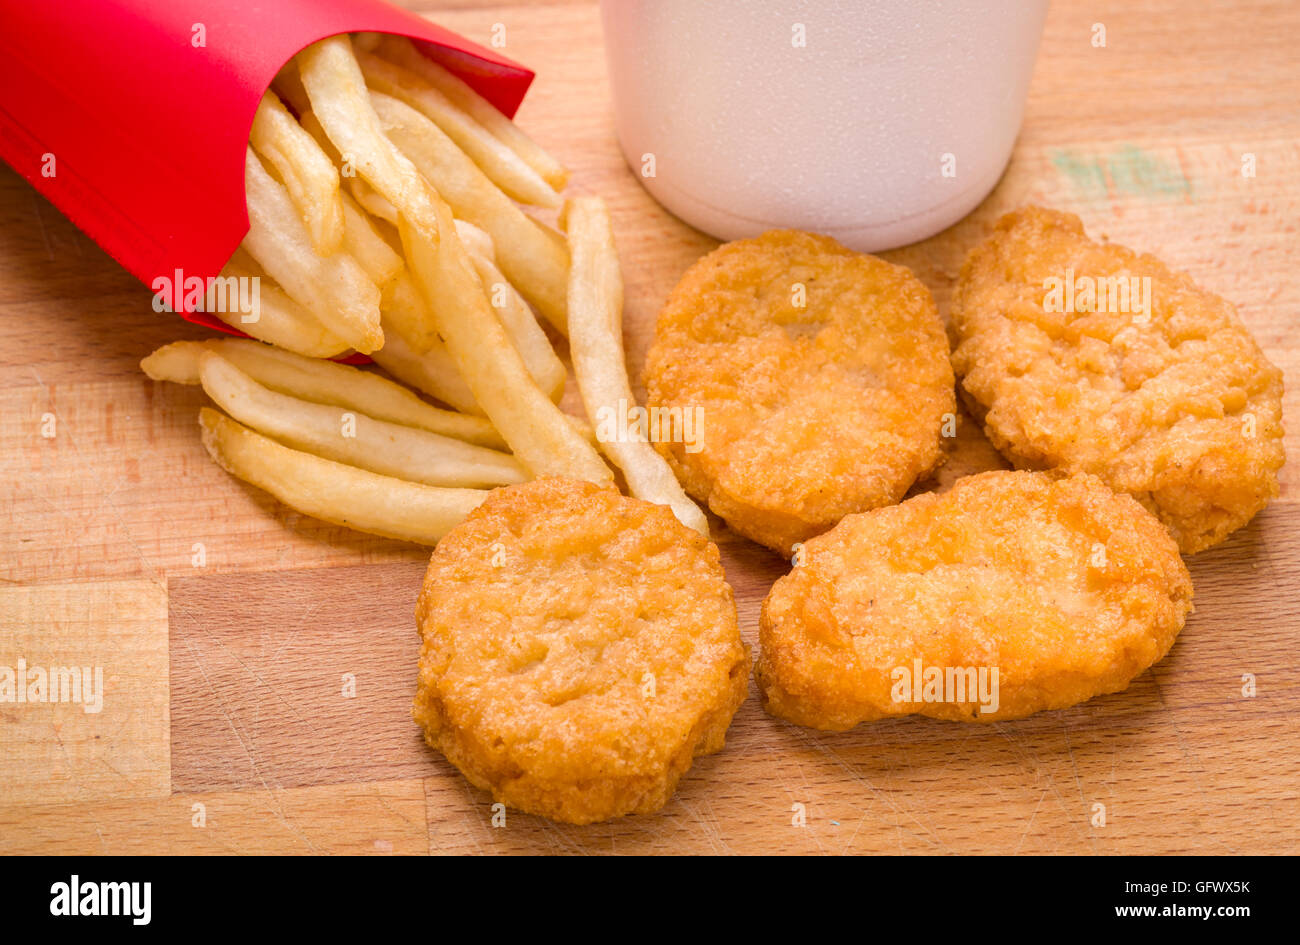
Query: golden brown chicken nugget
1089,357
812,382
1012,593
580,649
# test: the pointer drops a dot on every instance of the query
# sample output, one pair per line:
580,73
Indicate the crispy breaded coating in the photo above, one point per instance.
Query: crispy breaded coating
1175,405
820,378
1012,593
580,650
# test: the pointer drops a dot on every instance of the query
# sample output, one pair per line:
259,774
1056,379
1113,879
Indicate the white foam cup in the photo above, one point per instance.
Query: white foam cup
878,122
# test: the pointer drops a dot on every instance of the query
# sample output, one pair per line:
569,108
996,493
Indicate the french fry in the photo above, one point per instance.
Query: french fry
366,42
334,492
401,51
382,266
371,202
279,319
311,124
287,86
596,344
333,288
406,312
406,309
352,437
477,242
341,105
322,382
340,102
433,371
365,195
307,172
371,251
536,263
501,165
521,325
534,428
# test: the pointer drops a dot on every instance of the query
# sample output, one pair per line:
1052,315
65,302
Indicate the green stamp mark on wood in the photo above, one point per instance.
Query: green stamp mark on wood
1128,170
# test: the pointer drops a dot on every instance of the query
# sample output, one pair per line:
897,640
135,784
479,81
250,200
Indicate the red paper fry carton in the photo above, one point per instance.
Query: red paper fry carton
132,116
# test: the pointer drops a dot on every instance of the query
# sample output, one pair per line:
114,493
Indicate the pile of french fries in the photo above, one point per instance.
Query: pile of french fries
382,199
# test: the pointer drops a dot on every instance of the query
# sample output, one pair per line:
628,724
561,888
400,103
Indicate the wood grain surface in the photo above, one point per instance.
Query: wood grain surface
258,665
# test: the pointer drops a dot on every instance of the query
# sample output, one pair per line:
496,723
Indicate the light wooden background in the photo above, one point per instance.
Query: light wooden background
224,681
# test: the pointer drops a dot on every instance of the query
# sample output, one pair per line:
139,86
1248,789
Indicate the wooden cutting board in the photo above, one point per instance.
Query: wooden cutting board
258,665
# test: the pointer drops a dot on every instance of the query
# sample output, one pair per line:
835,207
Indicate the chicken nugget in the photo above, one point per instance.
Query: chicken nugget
580,649
1089,357
819,378
1012,593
